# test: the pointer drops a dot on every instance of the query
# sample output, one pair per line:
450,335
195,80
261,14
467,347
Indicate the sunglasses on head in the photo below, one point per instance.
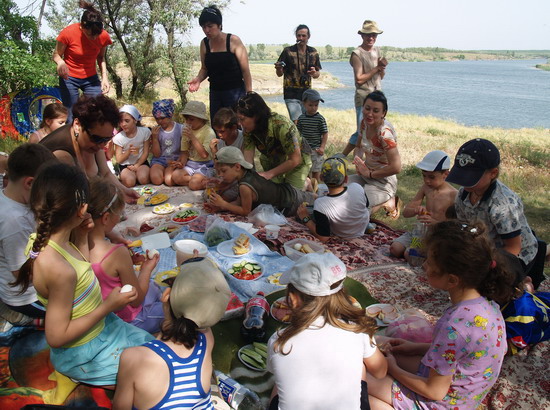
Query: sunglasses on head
98,139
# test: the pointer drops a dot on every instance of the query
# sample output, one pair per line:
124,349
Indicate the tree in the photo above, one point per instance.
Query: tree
24,58
260,50
147,39
328,51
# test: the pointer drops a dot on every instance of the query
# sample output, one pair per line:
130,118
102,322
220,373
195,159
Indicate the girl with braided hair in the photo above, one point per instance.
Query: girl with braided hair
462,363
85,337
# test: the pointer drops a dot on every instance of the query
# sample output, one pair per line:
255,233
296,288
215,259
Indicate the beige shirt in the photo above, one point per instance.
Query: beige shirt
369,59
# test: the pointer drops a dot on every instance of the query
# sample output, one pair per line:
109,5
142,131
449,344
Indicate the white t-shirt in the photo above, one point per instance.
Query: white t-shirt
323,370
142,135
16,224
238,142
347,212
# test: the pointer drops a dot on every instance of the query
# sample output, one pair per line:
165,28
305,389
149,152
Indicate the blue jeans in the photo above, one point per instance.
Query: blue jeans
224,98
70,87
359,117
295,108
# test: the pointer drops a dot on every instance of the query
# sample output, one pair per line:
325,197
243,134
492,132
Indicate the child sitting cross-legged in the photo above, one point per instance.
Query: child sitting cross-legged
253,188
196,157
174,371
439,195
344,211
462,363
113,265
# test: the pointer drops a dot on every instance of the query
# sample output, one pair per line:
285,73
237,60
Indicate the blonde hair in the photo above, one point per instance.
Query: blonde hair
336,309
104,197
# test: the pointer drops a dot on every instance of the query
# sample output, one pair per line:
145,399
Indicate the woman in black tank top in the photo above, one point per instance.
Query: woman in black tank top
224,61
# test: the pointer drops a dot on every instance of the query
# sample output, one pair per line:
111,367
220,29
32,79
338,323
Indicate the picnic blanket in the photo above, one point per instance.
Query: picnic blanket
523,382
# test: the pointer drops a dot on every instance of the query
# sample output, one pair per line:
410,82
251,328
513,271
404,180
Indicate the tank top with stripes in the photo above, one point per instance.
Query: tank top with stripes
185,390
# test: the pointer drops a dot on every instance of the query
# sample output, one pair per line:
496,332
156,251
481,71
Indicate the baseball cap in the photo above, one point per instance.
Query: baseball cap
195,109
315,273
133,111
232,155
435,161
334,171
312,95
200,293
472,160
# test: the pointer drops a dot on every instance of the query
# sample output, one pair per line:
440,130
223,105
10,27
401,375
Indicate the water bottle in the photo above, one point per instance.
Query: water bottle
236,395
416,250
255,320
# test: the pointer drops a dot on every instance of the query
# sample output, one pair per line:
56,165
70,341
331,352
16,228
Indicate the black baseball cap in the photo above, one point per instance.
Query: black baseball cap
472,160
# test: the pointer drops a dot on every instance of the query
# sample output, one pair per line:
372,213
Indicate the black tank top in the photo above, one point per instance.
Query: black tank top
224,71
281,196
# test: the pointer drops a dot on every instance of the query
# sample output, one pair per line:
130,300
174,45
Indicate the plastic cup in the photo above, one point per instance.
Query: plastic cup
184,249
272,231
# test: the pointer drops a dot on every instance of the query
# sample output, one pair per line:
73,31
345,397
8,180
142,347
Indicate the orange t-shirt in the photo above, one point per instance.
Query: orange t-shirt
81,52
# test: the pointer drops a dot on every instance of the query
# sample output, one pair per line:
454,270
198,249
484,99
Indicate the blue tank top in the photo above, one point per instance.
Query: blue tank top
185,390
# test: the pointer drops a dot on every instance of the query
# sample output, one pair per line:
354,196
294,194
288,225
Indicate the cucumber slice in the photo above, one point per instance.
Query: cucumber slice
231,271
248,267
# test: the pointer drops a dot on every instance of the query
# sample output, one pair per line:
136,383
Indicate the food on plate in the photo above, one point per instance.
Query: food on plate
242,245
280,310
186,205
163,209
235,308
151,253
385,313
135,244
254,355
303,247
216,235
169,229
137,258
126,288
156,199
145,227
185,215
274,279
147,190
245,270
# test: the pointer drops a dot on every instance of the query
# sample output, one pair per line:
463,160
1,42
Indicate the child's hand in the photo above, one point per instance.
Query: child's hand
87,223
426,218
116,300
175,164
402,346
214,145
133,150
149,264
155,132
421,210
216,200
302,211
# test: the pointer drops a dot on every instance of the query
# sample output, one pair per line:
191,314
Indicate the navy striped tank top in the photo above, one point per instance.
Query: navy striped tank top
185,390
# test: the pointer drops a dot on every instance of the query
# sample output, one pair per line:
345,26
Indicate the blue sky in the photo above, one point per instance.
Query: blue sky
455,24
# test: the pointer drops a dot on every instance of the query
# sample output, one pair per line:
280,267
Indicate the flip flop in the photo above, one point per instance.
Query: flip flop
394,215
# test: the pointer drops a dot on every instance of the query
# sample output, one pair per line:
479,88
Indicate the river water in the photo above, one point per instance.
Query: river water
500,93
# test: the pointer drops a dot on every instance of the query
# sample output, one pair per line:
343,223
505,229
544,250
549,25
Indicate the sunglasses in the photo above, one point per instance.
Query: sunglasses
98,139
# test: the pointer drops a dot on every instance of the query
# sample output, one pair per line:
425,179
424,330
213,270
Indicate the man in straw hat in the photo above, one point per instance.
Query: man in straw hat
369,68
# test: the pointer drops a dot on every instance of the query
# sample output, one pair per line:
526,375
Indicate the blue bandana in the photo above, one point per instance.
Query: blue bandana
164,108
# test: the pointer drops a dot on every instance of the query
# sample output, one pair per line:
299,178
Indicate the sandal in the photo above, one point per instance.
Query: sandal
394,215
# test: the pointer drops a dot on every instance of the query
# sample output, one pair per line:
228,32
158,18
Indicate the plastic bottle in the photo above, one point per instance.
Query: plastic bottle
236,395
254,323
416,250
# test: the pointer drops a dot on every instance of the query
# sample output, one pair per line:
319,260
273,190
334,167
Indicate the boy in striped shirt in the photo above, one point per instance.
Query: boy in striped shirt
313,128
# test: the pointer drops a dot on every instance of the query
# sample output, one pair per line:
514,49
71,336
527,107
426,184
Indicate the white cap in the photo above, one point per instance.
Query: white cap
133,111
435,161
314,274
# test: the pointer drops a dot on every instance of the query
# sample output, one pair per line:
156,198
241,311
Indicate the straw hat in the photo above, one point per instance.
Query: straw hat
369,27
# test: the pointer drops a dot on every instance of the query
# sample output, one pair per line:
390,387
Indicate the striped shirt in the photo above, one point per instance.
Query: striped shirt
312,128
185,390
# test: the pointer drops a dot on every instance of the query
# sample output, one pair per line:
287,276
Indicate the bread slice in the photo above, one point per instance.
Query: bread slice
240,250
243,240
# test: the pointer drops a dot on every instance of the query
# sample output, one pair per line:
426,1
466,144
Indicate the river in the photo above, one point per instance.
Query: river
497,93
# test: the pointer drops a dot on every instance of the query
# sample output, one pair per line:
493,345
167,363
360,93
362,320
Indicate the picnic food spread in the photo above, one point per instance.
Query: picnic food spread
163,209
156,200
185,216
245,270
242,245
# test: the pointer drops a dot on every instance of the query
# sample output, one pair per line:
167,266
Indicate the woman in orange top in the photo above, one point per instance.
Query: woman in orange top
79,46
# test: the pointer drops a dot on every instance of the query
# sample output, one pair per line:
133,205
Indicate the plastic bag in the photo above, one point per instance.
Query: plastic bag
265,214
411,325
217,231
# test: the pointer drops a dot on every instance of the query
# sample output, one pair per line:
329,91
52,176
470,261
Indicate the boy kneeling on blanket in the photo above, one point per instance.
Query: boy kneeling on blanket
253,188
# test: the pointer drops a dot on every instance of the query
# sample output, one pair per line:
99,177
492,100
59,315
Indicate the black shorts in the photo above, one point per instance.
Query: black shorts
127,165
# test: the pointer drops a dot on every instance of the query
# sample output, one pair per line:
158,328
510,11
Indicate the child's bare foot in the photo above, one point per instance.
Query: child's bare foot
528,284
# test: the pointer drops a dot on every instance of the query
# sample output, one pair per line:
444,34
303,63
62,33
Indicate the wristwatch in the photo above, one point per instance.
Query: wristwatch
306,220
